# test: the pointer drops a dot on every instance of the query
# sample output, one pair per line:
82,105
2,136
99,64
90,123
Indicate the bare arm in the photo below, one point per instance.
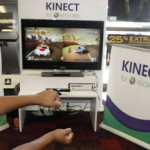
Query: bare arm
63,136
46,98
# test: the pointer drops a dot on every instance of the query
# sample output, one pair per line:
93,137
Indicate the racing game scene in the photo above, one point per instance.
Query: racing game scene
62,44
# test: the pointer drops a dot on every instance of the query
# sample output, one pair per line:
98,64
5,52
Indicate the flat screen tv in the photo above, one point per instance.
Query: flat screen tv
62,44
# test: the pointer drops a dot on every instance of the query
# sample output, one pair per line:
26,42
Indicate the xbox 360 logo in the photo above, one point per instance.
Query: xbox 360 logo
132,80
56,14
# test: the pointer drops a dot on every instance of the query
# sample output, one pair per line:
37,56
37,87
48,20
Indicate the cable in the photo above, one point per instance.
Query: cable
70,110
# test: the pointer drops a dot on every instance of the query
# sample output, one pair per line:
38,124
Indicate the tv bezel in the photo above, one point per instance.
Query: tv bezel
62,24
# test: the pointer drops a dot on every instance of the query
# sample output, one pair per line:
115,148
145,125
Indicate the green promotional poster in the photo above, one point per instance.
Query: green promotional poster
3,122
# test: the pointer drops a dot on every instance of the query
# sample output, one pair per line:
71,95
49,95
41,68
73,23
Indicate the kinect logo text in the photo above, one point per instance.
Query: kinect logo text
62,6
134,68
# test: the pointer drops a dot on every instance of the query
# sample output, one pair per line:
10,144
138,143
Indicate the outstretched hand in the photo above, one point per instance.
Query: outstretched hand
49,98
63,136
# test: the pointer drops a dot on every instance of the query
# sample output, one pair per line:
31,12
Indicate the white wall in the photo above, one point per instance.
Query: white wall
73,9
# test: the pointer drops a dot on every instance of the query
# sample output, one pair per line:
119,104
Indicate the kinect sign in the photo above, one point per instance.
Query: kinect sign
62,10
62,6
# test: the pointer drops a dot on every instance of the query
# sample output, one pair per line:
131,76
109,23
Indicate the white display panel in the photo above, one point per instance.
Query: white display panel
70,10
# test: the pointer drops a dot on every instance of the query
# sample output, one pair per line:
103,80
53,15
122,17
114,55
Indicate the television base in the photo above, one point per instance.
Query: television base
62,74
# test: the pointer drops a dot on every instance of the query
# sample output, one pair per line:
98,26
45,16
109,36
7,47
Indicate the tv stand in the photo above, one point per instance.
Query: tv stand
62,74
69,97
73,96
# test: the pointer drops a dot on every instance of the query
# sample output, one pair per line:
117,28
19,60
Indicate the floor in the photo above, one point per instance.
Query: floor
84,136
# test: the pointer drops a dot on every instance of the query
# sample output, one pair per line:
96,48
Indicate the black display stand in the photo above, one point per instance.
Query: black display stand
8,36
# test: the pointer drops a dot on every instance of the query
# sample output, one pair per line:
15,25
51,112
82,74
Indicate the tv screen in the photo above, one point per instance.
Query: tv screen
62,44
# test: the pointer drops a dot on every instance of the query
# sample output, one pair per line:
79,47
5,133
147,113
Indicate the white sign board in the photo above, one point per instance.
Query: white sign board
127,110
63,9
